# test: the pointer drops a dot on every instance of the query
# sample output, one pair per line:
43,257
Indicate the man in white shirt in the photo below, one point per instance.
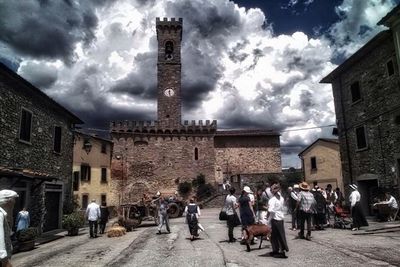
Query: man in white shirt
276,216
392,203
93,215
7,201
356,211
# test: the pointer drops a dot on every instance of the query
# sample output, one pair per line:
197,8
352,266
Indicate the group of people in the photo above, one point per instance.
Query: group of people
267,207
96,216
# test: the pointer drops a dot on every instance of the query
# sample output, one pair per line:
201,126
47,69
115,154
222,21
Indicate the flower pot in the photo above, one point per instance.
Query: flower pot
73,231
26,245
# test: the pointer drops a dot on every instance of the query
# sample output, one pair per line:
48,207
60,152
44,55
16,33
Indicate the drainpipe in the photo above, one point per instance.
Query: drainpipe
345,130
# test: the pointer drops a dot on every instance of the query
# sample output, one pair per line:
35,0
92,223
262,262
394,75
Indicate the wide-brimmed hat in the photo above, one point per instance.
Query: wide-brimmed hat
247,189
353,186
6,195
304,186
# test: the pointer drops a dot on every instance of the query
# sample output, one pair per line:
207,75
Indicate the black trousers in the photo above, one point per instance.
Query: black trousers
295,219
93,228
278,237
231,224
102,225
304,216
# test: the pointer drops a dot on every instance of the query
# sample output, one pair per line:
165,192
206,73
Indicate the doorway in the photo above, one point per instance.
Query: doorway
368,190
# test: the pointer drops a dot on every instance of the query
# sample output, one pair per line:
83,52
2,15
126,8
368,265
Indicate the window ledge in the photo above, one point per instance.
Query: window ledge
356,102
362,149
25,142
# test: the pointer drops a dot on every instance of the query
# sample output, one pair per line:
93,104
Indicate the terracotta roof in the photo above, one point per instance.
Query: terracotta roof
390,17
246,132
330,140
25,173
38,92
93,136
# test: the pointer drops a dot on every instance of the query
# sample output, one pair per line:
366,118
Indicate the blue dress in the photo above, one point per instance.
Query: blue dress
23,220
246,215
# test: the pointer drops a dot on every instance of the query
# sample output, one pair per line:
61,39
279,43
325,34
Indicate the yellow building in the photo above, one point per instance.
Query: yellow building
321,162
91,169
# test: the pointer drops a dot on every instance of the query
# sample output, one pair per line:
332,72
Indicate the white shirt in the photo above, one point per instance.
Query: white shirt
3,251
354,197
275,208
93,212
294,195
392,203
230,203
269,193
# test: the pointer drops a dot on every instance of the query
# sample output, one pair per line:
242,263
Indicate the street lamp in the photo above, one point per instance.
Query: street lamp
87,146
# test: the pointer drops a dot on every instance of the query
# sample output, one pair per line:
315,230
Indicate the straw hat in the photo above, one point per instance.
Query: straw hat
304,186
247,189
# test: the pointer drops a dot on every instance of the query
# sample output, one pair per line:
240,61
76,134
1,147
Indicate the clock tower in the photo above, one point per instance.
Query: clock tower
169,37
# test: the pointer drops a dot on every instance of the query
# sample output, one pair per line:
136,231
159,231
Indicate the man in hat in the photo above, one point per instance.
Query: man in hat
93,215
276,216
7,201
305,205
356,210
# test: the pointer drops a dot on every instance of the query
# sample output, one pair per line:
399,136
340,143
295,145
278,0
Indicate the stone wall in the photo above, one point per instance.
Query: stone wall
247,154
378,111
160,163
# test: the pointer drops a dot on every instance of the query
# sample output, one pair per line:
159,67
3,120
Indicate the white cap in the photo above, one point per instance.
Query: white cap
296,186
158,193
6,195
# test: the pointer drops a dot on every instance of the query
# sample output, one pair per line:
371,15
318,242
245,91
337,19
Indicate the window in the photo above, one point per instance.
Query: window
25,126
57,139
85,201
103,199
361,138
75,183
390,68
313,163
85,173
355,92
104,175
398,167
196,153
104,148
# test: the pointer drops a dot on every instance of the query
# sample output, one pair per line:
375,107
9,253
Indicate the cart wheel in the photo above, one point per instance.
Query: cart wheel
173,210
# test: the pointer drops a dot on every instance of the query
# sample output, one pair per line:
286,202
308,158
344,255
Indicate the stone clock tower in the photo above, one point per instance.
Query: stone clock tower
169,36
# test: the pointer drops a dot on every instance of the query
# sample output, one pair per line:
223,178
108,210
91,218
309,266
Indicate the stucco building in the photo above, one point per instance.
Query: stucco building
321,163
36,150
366,90
157,155
91,169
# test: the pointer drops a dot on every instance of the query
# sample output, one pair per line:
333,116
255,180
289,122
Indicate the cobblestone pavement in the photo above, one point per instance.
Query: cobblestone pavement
142,247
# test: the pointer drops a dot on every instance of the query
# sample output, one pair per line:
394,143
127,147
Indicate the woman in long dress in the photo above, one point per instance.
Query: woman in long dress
23,220
247,214
192,212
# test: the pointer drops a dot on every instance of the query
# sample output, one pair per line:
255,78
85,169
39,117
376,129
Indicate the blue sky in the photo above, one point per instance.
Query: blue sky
247,64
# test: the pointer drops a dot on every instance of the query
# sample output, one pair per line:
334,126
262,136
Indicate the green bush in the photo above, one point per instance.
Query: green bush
27,234
204,191
73,220
199,181
185,188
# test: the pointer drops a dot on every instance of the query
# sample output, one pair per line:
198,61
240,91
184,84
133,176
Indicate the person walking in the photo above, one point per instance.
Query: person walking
247,214
7,201
163,216
93,214
23,220
305,205
104,216
356,210
261,206
192,212
276,216
230,207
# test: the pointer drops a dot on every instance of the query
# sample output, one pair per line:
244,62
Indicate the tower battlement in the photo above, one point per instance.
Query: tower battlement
156,127
166,22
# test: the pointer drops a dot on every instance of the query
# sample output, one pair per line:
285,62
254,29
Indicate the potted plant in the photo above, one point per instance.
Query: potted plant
72,222
26,238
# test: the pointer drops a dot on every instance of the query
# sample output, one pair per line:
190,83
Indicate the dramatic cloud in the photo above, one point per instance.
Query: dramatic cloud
99,59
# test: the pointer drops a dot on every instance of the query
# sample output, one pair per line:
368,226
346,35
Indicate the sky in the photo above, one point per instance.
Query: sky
247,64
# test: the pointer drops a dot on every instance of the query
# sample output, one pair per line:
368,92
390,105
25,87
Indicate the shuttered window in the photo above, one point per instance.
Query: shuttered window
57,139
25,126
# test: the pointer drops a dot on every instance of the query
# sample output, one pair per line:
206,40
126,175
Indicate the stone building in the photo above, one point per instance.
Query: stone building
157,155
91,169
321,162
366,90
36,149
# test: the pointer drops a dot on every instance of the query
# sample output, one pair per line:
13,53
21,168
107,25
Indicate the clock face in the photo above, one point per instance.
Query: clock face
169,92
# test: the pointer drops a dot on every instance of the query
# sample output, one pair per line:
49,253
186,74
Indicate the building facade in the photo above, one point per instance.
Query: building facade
321,163
36,150
91,169
157,155
366,90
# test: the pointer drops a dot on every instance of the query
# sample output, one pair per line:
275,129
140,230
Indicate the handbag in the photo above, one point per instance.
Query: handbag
222,215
